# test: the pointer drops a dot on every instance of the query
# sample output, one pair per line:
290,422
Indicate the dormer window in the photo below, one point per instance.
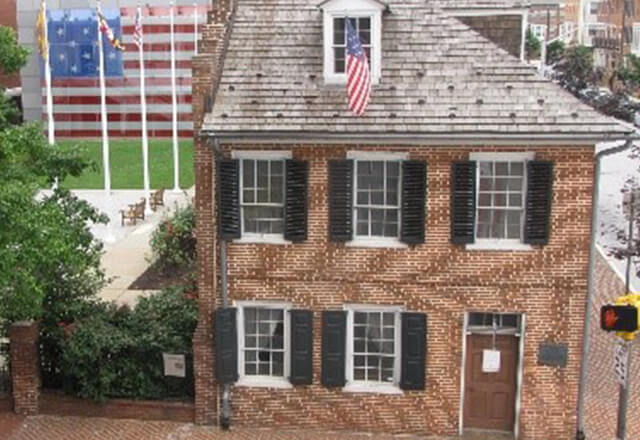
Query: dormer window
366,18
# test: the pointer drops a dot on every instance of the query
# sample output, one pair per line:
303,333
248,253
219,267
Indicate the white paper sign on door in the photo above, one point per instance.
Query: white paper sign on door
490,361
174,365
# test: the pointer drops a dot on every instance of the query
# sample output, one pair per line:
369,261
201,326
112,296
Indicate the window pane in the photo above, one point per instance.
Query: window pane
364,23
365,37
498,226
377,198
339,60
359,346
484,199
514,219
486,184
377,174
499,200
391,230
392,168
277,167
250,356
388,333
338,31
486,168
358,373
500,184
247,196
250,369
502,168
517,168
247,173
515,200
277,189
363,198
360,318
515,184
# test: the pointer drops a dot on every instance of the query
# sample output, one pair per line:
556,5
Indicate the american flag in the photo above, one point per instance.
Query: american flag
74,67
358,75
137,28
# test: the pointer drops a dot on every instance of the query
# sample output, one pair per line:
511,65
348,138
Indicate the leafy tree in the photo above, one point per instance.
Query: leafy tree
12,58
575,70
629,72
555,52
532,45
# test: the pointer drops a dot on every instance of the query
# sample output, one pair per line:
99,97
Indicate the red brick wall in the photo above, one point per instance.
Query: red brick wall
601,397
442,280
206,67
8,17
25,367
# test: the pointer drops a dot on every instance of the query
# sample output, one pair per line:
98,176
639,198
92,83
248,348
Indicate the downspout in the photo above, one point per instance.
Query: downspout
580,435
225,414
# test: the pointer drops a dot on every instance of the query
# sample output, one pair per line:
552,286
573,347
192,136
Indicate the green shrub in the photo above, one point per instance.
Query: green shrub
117,352
173,243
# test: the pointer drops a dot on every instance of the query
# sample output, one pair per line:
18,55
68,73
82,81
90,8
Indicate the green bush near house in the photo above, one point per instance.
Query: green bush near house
117,351
173,243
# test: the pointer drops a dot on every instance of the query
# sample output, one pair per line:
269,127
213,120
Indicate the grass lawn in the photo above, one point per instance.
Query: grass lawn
126,164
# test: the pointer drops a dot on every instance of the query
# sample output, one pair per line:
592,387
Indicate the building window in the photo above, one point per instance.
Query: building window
377,207
373,347
263,343
366,18
500,196
362,25
593,8
262,194
539,31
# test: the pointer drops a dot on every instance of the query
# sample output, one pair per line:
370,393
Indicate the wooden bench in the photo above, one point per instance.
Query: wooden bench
157,199
134,212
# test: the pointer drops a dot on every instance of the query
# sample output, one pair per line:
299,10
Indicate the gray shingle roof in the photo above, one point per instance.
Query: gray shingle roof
438,77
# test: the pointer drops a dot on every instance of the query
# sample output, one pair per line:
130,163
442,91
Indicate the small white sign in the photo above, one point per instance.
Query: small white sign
174,365
621,361
490,361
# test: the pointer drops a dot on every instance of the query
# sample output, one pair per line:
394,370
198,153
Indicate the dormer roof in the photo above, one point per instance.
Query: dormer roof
353,4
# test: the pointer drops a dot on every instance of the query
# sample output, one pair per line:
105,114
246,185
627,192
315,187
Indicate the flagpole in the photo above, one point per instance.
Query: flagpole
105,133
195,29
47,80
176,185
145,139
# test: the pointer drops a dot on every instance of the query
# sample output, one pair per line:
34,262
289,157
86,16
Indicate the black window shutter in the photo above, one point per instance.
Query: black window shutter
226,346
414,186
301,347
340,200
295,208
229,198
538,205
414,328
463,202
334,334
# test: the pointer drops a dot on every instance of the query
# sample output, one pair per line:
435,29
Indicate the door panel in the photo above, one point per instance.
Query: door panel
489,401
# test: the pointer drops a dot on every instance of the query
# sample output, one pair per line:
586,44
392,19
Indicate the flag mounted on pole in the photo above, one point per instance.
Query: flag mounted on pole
358,74
43,47
107,32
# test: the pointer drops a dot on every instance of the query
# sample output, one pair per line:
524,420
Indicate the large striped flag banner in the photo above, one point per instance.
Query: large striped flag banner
75,80
358,74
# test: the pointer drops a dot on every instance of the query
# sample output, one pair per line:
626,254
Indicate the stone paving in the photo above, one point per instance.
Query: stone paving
80,428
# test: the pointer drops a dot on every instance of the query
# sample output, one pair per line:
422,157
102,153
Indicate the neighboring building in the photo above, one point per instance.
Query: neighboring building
8,18
370,261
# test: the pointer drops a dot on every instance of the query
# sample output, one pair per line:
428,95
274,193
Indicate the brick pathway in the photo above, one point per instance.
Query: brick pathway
81,428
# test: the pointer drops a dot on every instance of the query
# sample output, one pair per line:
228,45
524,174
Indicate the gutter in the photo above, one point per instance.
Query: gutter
225,414
437,138
628,143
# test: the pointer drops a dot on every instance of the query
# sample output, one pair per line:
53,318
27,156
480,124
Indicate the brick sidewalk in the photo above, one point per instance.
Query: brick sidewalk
81,428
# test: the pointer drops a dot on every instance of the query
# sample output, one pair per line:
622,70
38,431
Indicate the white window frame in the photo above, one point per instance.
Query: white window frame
354,9
539,31
505,243
360,241
257,380
373,387
635,42
252,237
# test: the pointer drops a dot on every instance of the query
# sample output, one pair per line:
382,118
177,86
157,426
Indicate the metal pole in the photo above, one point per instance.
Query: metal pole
623,400
174,105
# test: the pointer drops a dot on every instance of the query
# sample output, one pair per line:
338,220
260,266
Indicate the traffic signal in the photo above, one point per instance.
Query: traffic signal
619,318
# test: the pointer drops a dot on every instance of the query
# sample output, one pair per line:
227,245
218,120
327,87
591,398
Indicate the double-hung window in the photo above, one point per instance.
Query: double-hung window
263,330
262,195
377,198
366,18
373,348
500,197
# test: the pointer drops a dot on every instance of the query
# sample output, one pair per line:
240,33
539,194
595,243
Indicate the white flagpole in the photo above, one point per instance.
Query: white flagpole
195,29
47,80
105,133
145,140
176,185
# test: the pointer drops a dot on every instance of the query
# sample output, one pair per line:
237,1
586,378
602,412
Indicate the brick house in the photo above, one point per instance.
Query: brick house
421,268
